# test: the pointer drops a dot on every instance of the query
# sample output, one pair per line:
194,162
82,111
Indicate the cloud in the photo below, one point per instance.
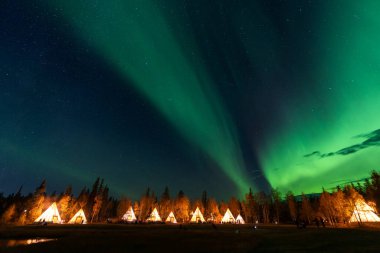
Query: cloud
315,153
372,139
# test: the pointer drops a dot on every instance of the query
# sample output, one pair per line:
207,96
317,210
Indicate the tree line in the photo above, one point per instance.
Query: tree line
334,206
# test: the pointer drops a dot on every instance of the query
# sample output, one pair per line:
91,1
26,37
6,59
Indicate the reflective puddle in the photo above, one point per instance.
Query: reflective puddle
16,242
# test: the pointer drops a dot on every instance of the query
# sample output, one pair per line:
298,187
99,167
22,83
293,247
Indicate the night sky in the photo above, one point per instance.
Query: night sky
191,94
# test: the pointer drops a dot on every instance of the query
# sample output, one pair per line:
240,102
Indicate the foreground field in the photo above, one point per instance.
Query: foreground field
191,238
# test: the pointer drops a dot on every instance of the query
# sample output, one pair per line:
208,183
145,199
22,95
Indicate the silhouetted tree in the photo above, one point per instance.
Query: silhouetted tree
306,210
9,214
263,201
107,205
223,207
375,188
136,209
98,202
165,204
36,204
204,199
340,206
276,200
234,206
182,207
292,205
122,207
213,210
147,202
92,195
63,204
250,208
326,206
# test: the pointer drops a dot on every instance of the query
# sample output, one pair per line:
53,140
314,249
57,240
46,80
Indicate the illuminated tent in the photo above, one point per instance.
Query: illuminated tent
171,218
154,216
239,220
228,217
364,213
50,215
197,216
78,218
129,216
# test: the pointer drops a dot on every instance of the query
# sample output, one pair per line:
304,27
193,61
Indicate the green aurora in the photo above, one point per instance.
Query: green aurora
330,117
133,36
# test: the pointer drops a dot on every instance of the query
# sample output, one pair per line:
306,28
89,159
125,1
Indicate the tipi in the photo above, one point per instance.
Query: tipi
129,216
78,218
171,218
228,217
239,220
197,216
363,213
154,216
50,215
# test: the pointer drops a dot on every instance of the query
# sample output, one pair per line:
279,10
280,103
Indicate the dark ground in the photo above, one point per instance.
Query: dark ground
192,238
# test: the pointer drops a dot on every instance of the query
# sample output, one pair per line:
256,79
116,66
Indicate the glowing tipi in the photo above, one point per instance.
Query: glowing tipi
154,216
78,218
171,218
197,216
50,215
364,213
129,216
239,220
228,217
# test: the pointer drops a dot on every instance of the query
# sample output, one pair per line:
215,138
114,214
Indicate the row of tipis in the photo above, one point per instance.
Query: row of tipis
362,213
51,215
197,217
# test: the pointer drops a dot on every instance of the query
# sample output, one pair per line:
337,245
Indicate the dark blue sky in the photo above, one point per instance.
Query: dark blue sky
69,114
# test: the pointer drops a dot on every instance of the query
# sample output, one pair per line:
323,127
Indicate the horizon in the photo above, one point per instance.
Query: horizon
173,194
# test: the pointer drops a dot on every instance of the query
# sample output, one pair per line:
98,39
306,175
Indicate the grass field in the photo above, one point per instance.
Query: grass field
191,238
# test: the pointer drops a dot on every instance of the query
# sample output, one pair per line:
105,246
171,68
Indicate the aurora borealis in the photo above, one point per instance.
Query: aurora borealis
222,96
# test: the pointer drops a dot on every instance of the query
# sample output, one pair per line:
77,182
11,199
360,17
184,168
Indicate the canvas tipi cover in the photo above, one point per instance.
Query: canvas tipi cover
228,217
171,218
154,216
364,213
197,216
129,216
78,218
50,215
239,220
